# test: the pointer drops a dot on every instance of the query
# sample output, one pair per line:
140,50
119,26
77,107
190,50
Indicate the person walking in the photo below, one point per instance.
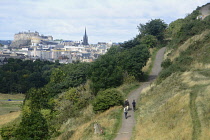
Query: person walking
134,105
125,112
126,104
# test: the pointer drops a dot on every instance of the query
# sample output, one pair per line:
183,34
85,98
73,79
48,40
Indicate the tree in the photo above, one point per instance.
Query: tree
154,27
19,76
149,40
131,43
133,60
174,28
70,75
33,126
106,73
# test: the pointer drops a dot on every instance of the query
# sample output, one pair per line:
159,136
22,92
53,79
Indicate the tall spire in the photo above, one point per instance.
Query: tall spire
85,38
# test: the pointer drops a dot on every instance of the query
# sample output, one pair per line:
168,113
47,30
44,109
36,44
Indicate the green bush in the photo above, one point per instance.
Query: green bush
70,103
8,132
166,63
181,64
106,99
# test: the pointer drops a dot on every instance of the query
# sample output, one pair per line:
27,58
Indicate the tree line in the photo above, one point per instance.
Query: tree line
18,76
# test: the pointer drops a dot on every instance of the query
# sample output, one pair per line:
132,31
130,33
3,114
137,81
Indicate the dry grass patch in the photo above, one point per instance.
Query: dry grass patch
164,112
170,121
194,78
104,119
6,118
198,66
76,130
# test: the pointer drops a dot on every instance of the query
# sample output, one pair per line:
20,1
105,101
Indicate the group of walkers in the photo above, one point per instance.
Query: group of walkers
127,107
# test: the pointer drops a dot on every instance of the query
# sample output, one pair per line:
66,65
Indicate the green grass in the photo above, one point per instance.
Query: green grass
10,106
127,88
194,115
117,115
148,68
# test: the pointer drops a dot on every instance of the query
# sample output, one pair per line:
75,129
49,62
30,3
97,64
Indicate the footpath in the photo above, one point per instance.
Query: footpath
128,124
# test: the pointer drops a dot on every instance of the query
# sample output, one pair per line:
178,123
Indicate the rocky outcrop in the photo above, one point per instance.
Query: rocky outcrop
205,11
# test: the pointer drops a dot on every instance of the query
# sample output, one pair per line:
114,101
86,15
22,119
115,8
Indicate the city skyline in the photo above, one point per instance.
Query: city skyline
111,20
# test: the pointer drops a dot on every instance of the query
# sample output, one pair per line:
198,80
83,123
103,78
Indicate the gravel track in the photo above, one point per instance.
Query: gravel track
128,124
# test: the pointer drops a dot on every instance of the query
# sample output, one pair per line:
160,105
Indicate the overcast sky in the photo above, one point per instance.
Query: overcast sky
105,20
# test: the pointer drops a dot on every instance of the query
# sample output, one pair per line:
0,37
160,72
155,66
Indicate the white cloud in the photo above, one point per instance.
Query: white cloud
115,20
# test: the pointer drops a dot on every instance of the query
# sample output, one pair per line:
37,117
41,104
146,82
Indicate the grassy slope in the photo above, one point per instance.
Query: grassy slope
82,127
9,106
179,107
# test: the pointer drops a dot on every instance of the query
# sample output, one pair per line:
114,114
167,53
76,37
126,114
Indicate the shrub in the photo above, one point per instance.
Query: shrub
8,132
166,63
106,99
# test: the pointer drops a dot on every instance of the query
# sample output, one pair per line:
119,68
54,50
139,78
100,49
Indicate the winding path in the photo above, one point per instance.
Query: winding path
128,124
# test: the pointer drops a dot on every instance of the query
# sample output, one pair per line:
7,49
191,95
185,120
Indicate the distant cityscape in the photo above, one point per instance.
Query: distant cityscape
31,46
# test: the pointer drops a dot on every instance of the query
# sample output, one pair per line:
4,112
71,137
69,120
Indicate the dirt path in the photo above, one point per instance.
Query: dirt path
125,131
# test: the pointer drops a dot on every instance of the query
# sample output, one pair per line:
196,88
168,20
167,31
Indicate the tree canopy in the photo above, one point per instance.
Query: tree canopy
154,27
19,76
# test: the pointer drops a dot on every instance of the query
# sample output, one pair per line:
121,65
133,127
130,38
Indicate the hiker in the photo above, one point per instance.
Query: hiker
126,104
125,112
134,105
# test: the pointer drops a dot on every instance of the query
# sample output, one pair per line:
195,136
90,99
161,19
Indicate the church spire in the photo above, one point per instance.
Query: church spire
85,38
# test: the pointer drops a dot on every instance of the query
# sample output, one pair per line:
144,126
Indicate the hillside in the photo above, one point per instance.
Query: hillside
77,96
177,105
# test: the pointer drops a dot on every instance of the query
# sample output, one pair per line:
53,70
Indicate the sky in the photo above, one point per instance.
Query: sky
104,20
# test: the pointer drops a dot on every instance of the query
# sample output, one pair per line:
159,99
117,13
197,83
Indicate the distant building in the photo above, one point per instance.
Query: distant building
3,60
85,39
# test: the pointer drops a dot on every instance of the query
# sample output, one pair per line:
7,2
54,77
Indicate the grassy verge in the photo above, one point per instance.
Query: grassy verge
80,128
127,88
148,68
